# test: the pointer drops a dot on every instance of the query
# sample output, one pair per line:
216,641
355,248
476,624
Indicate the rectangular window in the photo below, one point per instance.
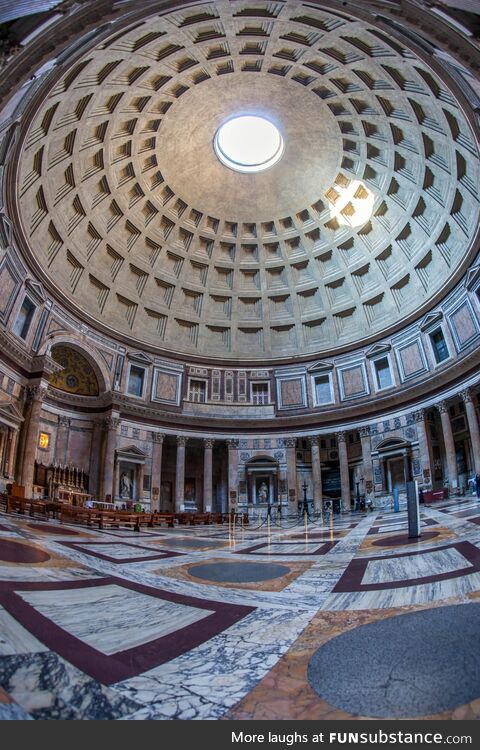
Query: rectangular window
439,345
383,373
136,381
24,318
323,391
260,393
197,391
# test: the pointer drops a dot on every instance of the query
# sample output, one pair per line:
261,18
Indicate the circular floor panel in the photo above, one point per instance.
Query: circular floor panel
238,572
407,666
15,552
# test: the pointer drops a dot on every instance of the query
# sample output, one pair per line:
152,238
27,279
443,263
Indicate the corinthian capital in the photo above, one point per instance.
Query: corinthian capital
364,431
111,423
158,437
442,407
341,436
291,442
466,395
181,441
36,393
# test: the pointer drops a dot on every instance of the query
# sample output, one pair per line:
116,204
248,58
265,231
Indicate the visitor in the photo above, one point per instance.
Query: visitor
137,507
477,485
89,503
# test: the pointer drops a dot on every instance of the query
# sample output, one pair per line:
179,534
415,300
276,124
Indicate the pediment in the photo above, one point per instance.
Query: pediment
320,366
473,277
430,320
139,357
378,349
35,289
10,412
131,450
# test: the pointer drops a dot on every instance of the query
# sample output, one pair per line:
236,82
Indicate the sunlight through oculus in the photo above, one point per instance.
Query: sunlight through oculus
248,143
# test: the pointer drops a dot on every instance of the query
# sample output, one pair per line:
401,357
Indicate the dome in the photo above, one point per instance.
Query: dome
365,221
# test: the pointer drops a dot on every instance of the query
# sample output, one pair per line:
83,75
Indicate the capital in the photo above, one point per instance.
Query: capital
466,395
291,442
111,423
314,440
36,393
158,437
181,441
442,407
208,443
341,436
64,421
419,415
232,444
364,431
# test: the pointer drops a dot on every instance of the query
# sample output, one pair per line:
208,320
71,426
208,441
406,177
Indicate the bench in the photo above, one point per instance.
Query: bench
159,518
200,518
25,505
107,518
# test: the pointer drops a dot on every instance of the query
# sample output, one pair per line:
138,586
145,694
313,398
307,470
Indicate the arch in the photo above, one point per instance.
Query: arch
71,341
264,459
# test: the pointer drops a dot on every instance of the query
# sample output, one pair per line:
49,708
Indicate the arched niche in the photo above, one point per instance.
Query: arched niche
78,375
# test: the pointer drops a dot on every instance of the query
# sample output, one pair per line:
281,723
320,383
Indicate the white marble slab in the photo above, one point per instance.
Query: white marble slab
112,618
120,551
406,568
14,639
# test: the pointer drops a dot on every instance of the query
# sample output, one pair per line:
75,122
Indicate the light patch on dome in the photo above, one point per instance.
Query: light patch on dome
352,204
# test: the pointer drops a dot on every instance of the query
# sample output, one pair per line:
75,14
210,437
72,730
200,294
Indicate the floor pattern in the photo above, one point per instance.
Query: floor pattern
278,622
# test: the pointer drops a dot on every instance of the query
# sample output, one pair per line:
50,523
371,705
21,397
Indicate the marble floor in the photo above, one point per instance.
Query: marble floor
347,620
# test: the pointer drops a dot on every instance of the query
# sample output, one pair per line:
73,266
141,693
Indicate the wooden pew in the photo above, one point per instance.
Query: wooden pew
158,518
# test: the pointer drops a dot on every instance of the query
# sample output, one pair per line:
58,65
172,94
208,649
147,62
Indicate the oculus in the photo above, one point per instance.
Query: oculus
248,143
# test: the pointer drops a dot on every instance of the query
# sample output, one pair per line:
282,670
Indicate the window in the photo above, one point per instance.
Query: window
197,391
24,318
383,373
260,393
439,346
136,381
323,390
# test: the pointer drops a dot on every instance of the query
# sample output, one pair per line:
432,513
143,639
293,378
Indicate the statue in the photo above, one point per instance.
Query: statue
262,493
125,485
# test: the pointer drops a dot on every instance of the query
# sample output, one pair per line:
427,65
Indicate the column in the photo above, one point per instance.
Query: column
291,446
116,479
3,450
424,447
316,474
61,445
367,460
473,427
110,426
344,475
35,397
232,474
207,474
12,454
140,474
157,449
95,448
180,474
449,446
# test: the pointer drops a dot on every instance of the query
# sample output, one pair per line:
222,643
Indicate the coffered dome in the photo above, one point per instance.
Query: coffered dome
366,218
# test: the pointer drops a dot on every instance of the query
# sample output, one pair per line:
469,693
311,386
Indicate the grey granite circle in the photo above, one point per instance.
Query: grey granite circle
411,665
238,572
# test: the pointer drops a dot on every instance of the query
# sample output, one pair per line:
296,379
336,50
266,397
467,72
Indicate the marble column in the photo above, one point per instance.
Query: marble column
232,474
116,480
316,474
424,447
344,474
473,427
367,460
180,475
35,397
110,426
3,450
12,454
449,446
157,450
95,449
207,474
140,475
291,452
61,444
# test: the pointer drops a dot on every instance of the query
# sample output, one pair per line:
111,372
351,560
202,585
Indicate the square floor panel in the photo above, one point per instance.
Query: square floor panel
120,552
112,629
295,549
